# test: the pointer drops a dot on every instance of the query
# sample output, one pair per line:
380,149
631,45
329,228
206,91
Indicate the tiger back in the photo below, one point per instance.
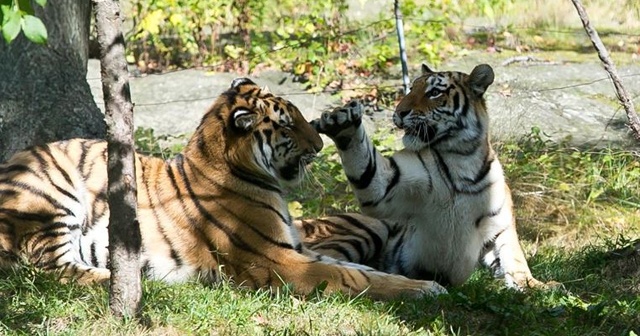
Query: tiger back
214,211
442,202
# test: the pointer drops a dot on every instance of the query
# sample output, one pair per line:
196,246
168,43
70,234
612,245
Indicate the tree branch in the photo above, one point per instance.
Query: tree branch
603,54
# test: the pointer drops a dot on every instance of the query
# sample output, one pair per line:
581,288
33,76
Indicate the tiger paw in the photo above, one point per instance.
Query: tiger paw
341,124
432,288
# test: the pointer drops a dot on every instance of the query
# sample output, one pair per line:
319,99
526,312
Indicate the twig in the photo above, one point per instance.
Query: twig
603,54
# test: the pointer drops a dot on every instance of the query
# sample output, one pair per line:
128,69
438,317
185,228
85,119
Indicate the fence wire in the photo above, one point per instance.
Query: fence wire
386,34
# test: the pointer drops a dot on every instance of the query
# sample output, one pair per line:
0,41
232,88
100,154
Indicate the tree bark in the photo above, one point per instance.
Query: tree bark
44,95
124,231
610,67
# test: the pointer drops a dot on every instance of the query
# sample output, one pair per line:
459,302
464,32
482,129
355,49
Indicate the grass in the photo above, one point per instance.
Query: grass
574,206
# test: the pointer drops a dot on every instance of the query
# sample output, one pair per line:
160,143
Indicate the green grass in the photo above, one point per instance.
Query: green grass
601,303
573,207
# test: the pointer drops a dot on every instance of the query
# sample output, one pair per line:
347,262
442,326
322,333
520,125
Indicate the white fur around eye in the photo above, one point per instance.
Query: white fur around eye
244,118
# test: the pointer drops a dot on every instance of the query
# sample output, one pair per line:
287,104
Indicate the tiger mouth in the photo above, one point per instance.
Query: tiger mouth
423,132
296,168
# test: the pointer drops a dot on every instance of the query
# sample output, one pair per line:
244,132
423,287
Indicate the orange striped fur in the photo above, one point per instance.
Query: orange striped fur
214,210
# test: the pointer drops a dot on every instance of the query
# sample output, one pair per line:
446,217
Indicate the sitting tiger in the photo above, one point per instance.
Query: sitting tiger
443,199
215,210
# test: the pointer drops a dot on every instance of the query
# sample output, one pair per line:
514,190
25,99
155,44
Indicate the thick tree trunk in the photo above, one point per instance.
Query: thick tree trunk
44,95
124,231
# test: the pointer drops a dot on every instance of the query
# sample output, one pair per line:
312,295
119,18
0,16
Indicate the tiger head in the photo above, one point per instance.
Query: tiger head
444,108
263,138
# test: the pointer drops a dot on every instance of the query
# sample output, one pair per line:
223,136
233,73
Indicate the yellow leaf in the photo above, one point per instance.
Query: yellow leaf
176,19
295,209
151,23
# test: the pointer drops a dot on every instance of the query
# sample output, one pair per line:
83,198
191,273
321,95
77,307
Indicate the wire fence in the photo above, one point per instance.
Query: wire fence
391,33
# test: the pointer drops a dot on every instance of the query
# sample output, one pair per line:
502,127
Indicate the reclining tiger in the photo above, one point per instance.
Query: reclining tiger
443,199
214,211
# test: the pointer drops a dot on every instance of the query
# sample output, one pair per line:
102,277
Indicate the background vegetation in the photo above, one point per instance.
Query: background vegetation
574,206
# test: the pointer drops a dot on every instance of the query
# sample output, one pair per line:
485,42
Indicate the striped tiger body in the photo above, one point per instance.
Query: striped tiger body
443,201
215,210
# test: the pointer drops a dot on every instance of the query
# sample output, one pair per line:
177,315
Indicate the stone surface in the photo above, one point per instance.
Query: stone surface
563,99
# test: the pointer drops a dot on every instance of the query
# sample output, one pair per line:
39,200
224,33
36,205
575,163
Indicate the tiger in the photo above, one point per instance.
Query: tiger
441,205
216,211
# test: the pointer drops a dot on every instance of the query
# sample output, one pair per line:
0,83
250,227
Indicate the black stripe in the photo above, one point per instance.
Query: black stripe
38,192
83,159
252,179
94,256
444,169
145,181
257,231
367,176
15,168
8,193
45,168
493,213
101,197
238,241
66,176
377,241
27,216
283,216
426,170
484,170
336,247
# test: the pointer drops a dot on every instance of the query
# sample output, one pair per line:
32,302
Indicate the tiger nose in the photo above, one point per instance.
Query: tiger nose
399,116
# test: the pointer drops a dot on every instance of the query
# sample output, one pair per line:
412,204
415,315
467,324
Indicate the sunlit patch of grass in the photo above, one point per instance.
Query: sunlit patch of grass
572,196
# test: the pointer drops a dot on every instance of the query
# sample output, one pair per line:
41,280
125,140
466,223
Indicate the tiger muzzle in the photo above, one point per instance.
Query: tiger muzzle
399,116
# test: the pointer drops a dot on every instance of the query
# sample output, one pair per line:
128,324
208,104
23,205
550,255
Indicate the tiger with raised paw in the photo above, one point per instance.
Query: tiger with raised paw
215,210
443,202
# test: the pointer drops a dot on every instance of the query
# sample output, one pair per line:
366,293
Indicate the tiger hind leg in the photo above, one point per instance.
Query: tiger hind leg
352,238
53,249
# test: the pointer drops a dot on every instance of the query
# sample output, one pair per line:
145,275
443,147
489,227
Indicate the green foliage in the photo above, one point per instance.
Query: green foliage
163,146
16,16
577,178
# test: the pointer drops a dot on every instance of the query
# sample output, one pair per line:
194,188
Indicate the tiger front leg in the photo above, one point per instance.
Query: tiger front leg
343,125
307,274
506,260
368,172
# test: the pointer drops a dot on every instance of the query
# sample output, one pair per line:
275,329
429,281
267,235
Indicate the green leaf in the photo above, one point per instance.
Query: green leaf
25,7
34,29
11,27
41,2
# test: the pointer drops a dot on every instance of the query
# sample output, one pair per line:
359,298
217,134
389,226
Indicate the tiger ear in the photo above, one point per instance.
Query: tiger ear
480,78
265,89
241,81
244,119
426,69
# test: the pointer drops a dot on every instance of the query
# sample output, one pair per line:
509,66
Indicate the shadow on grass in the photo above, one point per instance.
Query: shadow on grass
602,297
31,300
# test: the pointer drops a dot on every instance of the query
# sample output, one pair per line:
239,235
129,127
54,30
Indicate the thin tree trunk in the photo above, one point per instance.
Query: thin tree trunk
609,66
401,45
124,232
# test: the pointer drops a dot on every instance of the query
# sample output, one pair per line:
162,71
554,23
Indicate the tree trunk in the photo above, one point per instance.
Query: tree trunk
124,231
44,95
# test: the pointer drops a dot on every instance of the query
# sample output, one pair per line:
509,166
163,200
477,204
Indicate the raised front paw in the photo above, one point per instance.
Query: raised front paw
342,121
